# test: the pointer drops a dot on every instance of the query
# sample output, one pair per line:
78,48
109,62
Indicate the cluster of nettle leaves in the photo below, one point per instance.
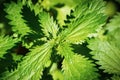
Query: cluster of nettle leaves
56,34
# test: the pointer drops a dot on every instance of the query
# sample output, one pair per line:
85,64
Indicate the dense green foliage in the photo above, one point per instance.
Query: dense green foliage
59,40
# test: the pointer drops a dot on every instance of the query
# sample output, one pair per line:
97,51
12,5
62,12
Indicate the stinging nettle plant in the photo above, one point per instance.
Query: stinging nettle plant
49,40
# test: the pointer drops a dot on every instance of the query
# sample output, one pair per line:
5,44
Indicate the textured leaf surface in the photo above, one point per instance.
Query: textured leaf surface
50,28
107,49
14,14
63,10
34,5
114,30
76,67
32,65
107,54
79,68
114,23
62,13
6,43
116,77
88,18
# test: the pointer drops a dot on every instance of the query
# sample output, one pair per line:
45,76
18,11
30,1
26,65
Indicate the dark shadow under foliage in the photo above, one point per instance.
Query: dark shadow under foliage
32,21
46,75
7,63
82,49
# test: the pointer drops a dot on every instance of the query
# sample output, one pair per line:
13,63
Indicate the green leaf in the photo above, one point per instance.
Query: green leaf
6,43
76,67
32,65
34,5
107,54
106,48
14,14
50,28
62,7
88,19
110,8
64,48
47,4
114,29
16,57
115,77
114,23
62,13
79,68
56,73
